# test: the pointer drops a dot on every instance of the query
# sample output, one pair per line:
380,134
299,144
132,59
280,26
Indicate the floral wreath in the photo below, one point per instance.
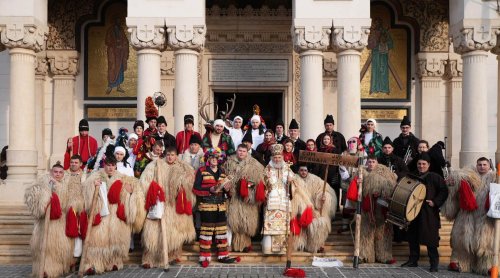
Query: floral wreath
214,152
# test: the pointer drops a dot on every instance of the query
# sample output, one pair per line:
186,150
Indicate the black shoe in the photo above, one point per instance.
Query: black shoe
409,264
227,260
433,269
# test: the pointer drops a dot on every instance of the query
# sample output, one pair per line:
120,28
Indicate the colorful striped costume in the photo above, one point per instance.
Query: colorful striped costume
212,207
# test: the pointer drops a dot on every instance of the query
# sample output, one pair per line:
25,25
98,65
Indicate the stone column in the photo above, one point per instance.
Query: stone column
23,41
430,71
310,41
453,77
497,153
167,86
473,43
349,38
148,39
64,67
40,76
187,41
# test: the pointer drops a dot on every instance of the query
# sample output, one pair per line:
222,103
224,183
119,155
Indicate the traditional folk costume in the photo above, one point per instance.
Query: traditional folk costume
281,215
208,187
117,212
376,235
247,193
317,233
85,146
183,137
213,140
372,141
167,186
65,201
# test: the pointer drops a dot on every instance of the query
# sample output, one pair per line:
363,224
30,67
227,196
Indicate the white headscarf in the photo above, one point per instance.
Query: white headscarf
219,122
371,120
119,149
255,117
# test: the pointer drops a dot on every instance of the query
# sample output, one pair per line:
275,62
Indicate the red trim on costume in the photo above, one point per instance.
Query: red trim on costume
55,207
307,217
180,202
294,226
188,207
71,223
352,191
84,224
467,198
201,192
487,202
97,220
155,192
244,188
260,192
114,192
366,204
120,212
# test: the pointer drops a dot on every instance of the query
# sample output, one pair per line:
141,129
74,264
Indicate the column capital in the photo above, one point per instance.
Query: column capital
146,34
41,64
311,37
350,34
477,36
23,35
186,36
431,64
453,67
63,62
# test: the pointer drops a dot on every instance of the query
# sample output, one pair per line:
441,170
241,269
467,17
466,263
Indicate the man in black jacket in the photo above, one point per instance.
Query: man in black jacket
424,229
298,144
395,163
406,140
163,135
337,137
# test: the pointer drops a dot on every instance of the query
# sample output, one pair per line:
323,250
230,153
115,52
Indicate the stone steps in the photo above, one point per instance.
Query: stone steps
16,226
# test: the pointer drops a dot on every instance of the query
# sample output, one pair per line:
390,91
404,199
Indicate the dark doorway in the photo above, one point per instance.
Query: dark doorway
271,106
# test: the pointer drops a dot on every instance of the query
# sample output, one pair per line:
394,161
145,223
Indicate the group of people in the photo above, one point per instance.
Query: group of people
235,184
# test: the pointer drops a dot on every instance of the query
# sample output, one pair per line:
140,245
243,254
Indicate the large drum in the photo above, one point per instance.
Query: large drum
406,202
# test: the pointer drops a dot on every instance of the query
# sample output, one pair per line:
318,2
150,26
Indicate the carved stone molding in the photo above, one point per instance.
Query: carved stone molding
296,85
431,64
479,37
453,67
187,36
329,67
41,65
248,11
311,37
19,35
63,62
249,47
167,63
147,35
353,37
247,36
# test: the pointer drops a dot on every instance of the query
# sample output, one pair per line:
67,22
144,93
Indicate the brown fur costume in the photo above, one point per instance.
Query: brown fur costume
109,241
376,234
320,228
171,177
59,252
243,216
462,233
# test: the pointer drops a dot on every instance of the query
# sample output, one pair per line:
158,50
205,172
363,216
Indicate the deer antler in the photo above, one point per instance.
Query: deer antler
203,112
228,111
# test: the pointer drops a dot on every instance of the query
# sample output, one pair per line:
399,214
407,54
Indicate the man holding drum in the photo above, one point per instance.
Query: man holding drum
425,228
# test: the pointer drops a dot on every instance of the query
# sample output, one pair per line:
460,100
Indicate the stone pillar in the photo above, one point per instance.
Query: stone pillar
349,38
23,41
63,65
453,77
496,50
473,43
167,86
430,71
310,41
148,39
187,41
40,76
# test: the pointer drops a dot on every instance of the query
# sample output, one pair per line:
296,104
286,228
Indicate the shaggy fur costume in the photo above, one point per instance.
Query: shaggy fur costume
462,233
376,234
243,215
171,177
109,241
320,228
59,252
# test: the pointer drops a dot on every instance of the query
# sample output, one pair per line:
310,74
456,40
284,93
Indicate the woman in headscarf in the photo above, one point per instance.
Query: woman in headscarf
264,149
372,140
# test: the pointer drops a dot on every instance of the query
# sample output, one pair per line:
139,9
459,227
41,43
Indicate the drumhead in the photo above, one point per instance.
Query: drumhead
415,201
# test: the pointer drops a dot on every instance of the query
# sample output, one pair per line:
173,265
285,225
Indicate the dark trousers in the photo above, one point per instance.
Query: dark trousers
432,252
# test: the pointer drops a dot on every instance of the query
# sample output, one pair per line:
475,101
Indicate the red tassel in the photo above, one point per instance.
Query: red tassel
120,212
487,202
204,264
97,220
188,207
260,192
307,217
366,204
71,223
243,188
84,224
55,207
294,272
467,198
155,192
294,226
114,192
181,200
238,259
352,191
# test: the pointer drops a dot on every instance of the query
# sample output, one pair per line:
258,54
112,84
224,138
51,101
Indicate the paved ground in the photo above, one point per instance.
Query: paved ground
254,271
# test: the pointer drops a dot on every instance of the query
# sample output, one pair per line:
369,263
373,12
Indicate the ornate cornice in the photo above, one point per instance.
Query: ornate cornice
186,36
431,65
453,67
264,12
311,37
20,35
147,36
41,65
63,62
249,47
352,37
329,67
167,63
479,37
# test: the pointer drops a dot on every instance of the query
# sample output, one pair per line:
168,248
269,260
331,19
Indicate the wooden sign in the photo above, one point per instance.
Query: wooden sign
328,159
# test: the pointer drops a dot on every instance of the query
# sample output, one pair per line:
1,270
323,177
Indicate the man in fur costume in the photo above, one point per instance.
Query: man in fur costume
168,184
320,228
247,193
376,235
119,209
284,215
194,154
65,200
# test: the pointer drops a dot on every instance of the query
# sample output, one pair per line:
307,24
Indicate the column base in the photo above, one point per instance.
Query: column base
468,158
12,191
22,164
